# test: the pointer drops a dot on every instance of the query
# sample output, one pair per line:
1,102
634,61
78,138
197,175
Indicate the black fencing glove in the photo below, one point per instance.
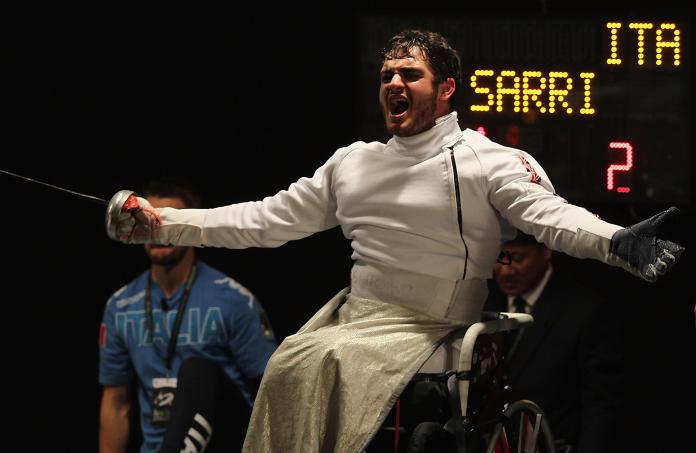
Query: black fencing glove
638,249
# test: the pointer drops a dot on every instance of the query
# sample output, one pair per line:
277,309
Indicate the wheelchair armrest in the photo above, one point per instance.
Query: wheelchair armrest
502,322
509,321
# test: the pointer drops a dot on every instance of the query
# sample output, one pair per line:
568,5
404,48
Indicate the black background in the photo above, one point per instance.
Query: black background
243,104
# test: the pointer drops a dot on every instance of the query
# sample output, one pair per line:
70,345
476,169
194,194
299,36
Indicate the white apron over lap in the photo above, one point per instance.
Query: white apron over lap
329,387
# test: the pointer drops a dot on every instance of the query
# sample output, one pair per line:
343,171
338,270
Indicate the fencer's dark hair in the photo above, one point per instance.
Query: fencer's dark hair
170,187
442,58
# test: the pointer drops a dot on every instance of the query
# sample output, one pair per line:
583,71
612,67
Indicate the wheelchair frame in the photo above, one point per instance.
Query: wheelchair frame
522,420
491,425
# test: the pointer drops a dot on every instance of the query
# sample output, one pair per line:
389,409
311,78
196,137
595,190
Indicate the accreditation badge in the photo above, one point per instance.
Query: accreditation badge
164,390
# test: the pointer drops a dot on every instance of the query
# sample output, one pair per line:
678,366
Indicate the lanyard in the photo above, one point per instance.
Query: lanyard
179,314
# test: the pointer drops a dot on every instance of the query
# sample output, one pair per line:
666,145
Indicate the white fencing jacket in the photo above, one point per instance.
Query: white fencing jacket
438,204
426,216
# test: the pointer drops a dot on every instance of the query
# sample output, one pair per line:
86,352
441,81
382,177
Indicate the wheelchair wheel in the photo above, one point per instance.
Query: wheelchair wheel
523,429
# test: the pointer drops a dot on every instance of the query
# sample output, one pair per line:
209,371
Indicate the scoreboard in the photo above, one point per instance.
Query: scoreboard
604,104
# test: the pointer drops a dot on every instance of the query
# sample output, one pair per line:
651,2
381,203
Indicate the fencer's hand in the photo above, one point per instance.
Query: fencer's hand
137,222
639,250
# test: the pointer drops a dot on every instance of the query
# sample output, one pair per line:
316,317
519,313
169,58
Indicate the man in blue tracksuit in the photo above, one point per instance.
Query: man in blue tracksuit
181,328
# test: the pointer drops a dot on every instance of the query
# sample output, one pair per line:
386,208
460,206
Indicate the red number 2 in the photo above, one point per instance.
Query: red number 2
628,149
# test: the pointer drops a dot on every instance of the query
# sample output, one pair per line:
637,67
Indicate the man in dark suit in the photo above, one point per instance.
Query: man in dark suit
568,360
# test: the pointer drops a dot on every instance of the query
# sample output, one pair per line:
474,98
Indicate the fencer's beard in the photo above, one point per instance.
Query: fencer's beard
420,118
170,259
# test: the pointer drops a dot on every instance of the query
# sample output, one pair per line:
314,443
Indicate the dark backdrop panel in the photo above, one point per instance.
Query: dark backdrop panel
243,105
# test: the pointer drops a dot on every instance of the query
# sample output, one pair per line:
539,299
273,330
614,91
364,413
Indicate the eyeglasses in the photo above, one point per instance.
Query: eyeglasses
504,258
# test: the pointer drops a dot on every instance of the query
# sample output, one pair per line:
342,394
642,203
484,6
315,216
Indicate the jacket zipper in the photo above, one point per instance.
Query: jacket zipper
458,199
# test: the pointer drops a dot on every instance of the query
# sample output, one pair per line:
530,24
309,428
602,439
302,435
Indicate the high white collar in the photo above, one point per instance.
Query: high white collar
430,141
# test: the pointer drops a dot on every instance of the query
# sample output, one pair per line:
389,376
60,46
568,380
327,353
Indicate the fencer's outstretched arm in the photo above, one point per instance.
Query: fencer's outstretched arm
306,207
525,197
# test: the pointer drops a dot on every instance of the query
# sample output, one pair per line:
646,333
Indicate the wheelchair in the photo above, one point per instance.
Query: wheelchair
458,402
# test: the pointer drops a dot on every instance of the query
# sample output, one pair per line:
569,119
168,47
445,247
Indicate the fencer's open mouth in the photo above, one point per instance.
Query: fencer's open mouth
398,106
